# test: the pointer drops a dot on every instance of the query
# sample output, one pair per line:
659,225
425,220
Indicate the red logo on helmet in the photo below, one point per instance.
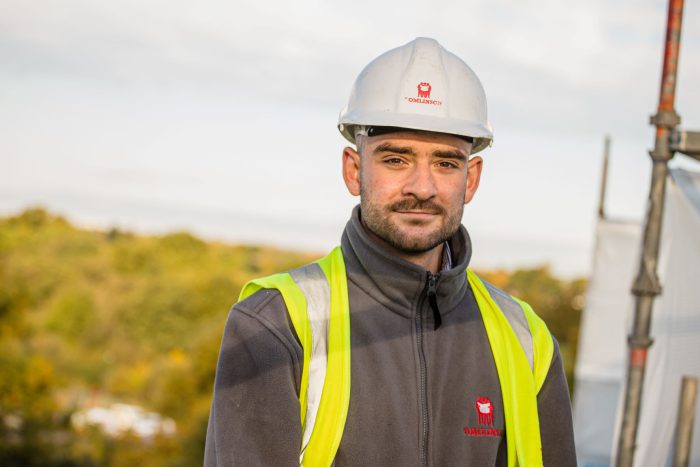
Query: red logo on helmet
484,408
424,90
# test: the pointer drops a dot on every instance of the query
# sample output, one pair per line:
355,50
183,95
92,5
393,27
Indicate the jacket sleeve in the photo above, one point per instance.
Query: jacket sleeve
254,418
556,425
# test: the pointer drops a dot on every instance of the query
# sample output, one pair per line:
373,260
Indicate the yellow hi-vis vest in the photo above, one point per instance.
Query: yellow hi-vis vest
316,297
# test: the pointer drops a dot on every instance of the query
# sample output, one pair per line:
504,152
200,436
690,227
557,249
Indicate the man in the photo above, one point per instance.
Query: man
388,351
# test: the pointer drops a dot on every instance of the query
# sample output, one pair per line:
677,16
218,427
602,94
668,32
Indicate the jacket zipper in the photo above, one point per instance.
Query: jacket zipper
423,396
432,298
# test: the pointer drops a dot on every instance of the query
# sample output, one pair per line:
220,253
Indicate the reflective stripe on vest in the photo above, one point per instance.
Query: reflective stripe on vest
317,303
325,310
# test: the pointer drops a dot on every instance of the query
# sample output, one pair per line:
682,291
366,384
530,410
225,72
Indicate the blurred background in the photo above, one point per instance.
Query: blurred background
154,156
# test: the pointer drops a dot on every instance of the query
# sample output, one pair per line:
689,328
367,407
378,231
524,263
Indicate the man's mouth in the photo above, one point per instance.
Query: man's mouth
418,212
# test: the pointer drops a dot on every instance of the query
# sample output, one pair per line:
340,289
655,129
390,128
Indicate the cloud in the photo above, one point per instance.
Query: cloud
539,59
239,92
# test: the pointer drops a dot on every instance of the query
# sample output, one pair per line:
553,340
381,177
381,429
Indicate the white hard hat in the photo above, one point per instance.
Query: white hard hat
419,86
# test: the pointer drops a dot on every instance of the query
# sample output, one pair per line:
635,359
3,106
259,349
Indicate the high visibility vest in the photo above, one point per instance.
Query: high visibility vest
316,296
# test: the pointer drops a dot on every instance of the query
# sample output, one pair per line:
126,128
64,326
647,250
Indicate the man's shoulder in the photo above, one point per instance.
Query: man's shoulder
260,302
267,308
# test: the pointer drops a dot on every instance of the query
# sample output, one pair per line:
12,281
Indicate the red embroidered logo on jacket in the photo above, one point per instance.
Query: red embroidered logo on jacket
484,408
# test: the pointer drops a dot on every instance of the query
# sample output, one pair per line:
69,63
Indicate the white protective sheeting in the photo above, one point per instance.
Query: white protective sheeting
602,340
602,355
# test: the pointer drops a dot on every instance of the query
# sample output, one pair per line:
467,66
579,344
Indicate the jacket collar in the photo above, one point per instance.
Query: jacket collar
396,283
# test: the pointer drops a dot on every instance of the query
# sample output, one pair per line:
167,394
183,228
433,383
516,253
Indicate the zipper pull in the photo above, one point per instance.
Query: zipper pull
432,299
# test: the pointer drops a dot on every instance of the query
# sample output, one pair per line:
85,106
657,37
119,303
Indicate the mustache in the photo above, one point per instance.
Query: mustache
417,205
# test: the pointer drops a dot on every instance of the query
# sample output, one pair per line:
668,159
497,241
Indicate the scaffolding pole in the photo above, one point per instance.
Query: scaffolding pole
684,421
646,286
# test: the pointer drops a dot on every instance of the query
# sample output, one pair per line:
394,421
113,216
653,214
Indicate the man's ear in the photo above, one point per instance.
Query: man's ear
351,170
473,176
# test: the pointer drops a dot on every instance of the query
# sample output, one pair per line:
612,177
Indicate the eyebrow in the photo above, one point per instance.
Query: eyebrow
388,147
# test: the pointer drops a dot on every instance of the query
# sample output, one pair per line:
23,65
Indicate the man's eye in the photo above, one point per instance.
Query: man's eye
393,161
447,165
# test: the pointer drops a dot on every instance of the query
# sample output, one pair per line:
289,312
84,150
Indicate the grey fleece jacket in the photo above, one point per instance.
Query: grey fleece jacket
414,390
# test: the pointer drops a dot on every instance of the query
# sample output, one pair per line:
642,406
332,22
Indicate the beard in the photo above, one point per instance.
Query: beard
376,219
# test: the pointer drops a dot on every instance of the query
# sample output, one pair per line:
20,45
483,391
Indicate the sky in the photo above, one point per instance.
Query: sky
220,117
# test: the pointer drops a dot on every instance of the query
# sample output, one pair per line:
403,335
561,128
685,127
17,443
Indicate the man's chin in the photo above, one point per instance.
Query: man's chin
416,239
416,247
415,233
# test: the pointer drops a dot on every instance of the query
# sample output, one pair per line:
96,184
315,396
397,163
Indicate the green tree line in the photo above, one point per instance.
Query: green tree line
92,317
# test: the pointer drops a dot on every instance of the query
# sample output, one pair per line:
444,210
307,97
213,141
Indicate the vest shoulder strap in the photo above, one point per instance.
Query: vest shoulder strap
543,344
516,318
317,301
530,329
518,352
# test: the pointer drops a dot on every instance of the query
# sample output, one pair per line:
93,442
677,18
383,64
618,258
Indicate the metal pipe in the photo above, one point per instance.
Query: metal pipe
646,286
604,179
686,142
684,421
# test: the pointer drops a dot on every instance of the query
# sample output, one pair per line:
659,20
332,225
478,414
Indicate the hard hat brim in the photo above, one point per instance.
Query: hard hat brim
482,134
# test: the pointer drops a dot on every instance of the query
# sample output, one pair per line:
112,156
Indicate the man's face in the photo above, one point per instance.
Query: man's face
413,186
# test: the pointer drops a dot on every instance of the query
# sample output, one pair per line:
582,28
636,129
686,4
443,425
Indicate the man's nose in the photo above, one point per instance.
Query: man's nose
421,183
